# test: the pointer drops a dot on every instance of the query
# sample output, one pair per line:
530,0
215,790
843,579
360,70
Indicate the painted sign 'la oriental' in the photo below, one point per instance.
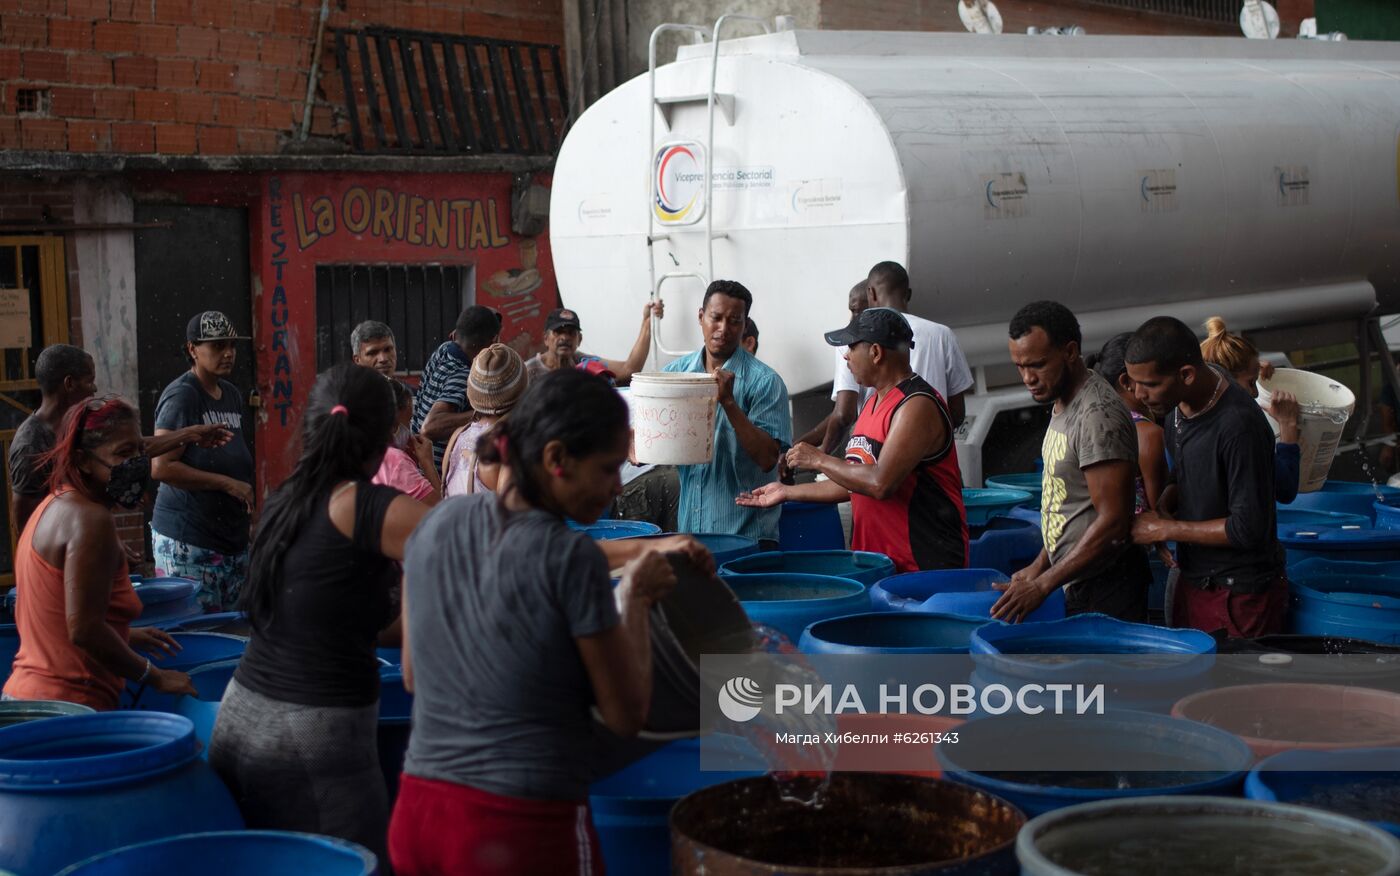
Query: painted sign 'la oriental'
462,223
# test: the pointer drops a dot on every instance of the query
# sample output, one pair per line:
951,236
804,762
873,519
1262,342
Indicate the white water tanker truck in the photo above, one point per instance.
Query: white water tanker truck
1123,176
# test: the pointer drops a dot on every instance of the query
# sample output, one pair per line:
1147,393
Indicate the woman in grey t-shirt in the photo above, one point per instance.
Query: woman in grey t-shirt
513,633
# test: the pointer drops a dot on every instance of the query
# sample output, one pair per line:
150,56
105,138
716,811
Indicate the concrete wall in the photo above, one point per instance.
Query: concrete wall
107,295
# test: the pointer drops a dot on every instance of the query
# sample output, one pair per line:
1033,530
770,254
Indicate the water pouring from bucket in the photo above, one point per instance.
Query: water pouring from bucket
1325,406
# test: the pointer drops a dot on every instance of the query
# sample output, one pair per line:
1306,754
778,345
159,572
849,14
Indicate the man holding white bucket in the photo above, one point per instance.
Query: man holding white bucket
752,426
1219,502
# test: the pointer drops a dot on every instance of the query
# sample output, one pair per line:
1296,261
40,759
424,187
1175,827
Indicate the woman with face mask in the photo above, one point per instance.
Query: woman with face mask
295,740
75,601
408,463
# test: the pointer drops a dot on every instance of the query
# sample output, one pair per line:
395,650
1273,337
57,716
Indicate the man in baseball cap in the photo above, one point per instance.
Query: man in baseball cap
562,334
900,470
211,325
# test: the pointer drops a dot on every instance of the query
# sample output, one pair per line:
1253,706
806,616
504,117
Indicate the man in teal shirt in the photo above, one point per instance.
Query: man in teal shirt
752,427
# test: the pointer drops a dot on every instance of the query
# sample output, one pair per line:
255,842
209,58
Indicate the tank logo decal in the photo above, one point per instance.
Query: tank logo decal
1158,190
679,179
1293,185
1006,195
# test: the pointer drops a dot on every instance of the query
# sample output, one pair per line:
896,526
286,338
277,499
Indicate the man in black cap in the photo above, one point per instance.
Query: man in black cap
900,470
562,334
205,502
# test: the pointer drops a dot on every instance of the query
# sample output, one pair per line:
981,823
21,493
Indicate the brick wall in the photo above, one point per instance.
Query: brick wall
207,77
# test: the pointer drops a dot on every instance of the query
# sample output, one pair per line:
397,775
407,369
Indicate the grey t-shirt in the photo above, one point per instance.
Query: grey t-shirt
501,697
1095,427
32,439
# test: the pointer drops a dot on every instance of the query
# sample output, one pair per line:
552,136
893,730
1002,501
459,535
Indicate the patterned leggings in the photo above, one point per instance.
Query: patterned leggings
220,576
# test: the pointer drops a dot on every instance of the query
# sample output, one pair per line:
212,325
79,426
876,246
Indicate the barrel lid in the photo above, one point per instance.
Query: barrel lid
678,378
159,591
323,854
93,750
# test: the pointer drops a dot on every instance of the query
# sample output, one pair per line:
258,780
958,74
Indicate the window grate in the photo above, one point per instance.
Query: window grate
417,92
420,303
1223,11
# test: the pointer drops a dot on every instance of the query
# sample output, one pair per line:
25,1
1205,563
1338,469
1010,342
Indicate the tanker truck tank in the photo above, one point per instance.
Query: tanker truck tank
1123,176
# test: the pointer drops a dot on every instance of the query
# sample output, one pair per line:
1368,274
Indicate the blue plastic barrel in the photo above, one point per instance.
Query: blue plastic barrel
725,548
603,530
20,711
231,623
789,603
210,680
1286,515
884,632
1351,600
983,505
1097,648
234,853
167,601
1026,513
1387,515
965,592
1348,497
1167,755
1345,545
632,808
394,656
197,649
1005,544
1027,482
71,788
1306,777
863,566
395,714
810,526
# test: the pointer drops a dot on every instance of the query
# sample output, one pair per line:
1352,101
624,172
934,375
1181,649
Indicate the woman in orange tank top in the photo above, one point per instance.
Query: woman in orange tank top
75,602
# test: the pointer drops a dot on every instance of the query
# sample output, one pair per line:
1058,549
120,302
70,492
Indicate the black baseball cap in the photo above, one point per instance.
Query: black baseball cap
561,318
875,325
211,325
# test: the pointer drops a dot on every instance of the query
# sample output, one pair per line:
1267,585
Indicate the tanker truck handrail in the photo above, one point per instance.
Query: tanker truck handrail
656,296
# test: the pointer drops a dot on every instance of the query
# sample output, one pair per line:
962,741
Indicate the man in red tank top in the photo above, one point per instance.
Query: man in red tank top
900,471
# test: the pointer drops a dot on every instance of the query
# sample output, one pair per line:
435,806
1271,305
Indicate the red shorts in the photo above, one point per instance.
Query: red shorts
446,829
1240,615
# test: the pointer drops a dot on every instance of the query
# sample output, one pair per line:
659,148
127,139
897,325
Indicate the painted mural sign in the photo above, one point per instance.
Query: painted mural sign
445,223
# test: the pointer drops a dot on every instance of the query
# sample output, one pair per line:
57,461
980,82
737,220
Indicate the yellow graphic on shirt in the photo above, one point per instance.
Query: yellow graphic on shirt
1052,497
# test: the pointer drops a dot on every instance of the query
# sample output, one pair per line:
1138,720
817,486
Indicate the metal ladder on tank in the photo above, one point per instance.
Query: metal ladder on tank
658,105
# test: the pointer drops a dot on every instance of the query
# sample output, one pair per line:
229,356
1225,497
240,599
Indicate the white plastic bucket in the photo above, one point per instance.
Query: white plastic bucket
673,418
1325,406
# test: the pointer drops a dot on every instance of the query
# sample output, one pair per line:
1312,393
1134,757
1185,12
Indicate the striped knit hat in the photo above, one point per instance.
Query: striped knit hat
496,381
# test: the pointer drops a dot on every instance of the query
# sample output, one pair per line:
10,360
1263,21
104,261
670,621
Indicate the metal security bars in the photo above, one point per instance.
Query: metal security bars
419,302
1223,11
430,93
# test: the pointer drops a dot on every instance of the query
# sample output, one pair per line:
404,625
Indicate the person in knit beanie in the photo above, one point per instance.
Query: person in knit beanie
497,380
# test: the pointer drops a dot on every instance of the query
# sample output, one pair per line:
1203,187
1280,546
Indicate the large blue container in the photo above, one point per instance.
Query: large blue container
1014,655
167,601
231,623
1171,756
725,548
1293,776
197,649
1286,515
395,717
1026,513
234,853
1348,497
965,592
1346,545
789,603
810,526
603,530
21,711
983,505
1351,600
863,566
884,632
1387,515
1027,482
71,788
632,808
1005,544
210,680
